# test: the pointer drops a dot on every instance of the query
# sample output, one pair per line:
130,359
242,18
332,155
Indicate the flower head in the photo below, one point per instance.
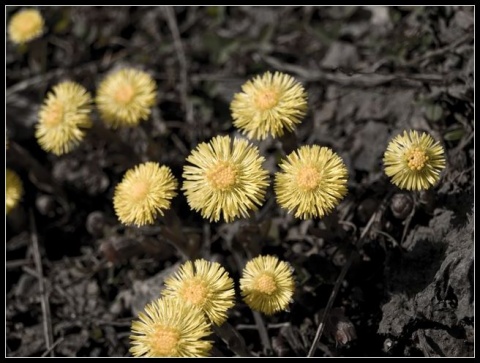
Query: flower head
269,105
267,284
170,328
144,193
13,190
64,118
312,182
205,285
226,178
414,161
25,25
125,97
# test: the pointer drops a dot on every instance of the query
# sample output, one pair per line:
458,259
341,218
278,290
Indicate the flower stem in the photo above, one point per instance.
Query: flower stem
262,331
172,231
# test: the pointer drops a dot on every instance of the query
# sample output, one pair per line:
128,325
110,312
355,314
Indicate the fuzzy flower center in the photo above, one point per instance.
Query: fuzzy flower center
308,178
267,99
223,176
195,292
416,159
265,284
140,190
125,94
54,114
164,340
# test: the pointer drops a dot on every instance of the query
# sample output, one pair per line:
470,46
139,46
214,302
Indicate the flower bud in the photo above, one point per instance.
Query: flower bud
401,205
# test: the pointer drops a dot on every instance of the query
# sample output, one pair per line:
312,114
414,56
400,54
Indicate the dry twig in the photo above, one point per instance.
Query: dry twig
362,80
47,322
182,60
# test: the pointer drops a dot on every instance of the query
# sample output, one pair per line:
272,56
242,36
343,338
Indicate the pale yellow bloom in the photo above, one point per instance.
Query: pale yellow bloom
312,182
205,285
267,284
227,178
25,25
126,97
414,161
64,118
144,193
270,104
170,328
13,190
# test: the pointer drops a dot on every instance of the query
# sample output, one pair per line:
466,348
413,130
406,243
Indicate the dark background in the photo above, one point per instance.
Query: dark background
370,73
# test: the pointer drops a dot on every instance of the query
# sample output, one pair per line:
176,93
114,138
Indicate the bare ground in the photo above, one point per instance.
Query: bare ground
75,277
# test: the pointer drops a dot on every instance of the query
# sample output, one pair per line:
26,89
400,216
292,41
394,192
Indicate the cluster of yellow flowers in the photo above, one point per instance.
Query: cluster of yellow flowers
199,294
224,178
124,98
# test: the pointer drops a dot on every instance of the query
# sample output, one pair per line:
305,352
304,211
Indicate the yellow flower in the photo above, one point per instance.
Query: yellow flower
64,118
312,182
170,328
269,105
25,25
125,97
144,192
205,285
414,161
227,178
13,190
267,284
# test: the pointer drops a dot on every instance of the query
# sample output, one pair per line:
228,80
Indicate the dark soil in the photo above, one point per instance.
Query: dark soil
75,277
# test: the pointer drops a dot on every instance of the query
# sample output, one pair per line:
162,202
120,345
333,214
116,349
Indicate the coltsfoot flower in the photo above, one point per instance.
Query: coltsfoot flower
267,284
312,181
414,161
125,97
226,179
269,105
13,190
205,285
64,118
170,328
144,193
25,25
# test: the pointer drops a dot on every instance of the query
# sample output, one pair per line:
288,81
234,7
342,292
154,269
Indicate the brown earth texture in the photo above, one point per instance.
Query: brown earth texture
376,281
